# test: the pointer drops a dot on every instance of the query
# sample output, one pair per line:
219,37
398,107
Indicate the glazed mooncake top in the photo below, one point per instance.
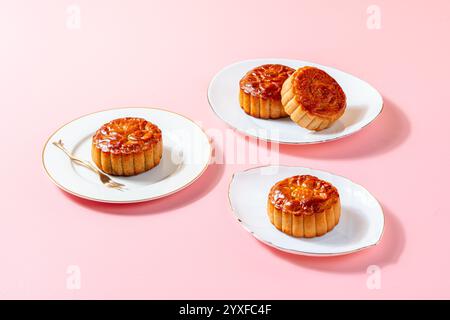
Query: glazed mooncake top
126,135
303,194
265,81
318,93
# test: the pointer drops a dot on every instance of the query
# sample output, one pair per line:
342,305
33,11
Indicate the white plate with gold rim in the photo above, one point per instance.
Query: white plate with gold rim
364,104
186,155
361,224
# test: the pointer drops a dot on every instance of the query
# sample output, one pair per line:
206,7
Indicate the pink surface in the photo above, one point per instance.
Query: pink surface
161,53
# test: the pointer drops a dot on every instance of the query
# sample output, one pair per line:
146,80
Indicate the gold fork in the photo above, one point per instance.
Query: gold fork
106,180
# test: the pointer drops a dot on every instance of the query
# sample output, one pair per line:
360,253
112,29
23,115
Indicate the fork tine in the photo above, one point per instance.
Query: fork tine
105,179
115,186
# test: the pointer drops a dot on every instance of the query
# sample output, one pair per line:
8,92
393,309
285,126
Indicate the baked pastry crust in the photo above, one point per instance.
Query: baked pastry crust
260,91
127,146
313,99
304,206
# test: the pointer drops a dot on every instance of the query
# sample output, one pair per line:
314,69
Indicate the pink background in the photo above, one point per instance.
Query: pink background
161,53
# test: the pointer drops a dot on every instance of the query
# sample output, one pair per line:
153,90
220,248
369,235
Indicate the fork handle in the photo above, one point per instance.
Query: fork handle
77,160
85,164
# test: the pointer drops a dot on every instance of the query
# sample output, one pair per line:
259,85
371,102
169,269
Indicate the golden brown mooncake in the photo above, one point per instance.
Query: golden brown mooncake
304,206
260,91
127,146
313,99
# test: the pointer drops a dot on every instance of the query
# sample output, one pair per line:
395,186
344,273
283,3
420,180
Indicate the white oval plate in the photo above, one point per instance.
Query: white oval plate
360,227
364,104
186,155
